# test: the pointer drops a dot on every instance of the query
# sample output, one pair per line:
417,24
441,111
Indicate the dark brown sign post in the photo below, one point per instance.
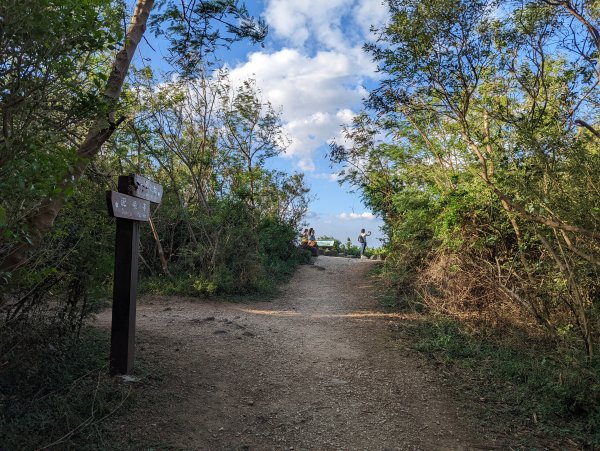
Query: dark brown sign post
130,205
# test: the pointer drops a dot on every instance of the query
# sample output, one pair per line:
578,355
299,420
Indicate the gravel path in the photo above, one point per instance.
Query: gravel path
313,369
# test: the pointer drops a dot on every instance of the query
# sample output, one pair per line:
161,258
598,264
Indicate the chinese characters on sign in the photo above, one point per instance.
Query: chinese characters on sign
145,189
127,207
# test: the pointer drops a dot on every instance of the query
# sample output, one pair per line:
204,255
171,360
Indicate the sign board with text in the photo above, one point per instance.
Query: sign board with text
325,243
127,207
145,189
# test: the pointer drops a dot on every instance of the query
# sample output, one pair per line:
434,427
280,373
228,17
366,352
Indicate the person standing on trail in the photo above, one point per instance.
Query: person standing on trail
362,241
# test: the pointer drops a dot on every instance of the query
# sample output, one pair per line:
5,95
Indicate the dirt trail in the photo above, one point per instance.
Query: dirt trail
313,369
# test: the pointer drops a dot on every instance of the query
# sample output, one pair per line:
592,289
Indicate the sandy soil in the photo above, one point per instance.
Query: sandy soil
314,368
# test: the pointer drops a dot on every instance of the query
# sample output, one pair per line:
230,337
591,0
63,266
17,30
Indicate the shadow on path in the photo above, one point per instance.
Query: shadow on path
313,369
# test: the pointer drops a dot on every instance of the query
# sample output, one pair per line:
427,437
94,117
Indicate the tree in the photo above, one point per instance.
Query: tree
183,24
485,98
253,131
223,194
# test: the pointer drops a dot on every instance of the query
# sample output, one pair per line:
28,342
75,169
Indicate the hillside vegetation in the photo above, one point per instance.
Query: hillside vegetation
75,116
480,150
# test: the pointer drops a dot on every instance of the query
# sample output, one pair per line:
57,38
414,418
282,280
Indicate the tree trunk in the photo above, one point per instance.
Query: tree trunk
42,218
159,248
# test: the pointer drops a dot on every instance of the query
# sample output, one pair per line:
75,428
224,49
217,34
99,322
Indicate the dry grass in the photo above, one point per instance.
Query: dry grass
456,286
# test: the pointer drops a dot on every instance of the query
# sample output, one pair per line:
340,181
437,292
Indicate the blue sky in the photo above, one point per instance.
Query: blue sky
313,68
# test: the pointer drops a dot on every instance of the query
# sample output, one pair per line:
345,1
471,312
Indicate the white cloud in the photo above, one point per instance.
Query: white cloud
317,93
318,76
332,177
334,24
368,216
370,13
306,164
298,21
306,85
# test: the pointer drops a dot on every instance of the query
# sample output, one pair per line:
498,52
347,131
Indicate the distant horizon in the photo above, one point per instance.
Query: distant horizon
373,241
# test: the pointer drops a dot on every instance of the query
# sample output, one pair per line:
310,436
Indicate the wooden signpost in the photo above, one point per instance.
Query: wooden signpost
130,205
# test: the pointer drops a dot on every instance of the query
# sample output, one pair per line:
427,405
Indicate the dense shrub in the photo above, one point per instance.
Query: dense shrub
55,391
61,105
479,148
489,200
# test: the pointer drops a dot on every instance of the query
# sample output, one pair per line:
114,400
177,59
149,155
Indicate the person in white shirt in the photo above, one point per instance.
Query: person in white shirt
362,241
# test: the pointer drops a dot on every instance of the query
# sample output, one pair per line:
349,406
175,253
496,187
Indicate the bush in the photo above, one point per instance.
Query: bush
55,390
252,255
351,249
278,251
526,379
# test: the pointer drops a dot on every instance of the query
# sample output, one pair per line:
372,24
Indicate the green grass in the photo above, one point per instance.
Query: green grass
186,285
58,392
268,277
553,392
